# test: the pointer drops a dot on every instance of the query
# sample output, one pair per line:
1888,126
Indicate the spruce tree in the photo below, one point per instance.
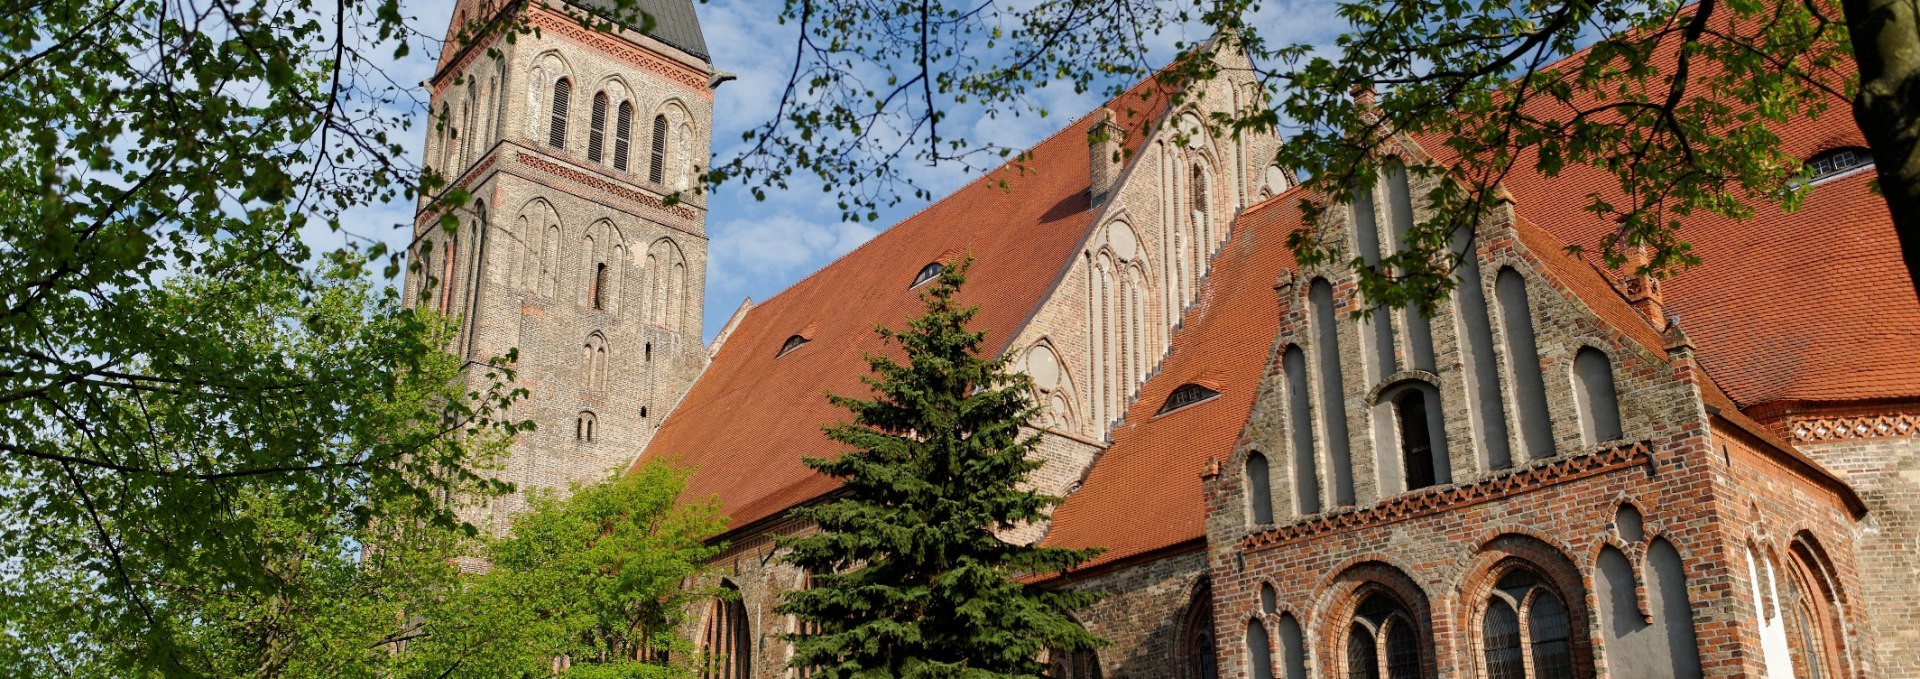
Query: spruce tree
909,578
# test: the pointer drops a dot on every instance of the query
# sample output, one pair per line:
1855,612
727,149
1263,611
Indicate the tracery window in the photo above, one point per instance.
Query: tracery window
1525,632
1383,640
1197,650
727,645
557,124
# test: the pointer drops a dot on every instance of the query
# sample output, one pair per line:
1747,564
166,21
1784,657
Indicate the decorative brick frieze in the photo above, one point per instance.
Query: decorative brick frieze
647,60
468,179
1843,427
1433,500
598,183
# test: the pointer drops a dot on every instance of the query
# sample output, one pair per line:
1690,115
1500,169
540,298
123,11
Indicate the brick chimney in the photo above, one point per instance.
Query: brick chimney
1104,146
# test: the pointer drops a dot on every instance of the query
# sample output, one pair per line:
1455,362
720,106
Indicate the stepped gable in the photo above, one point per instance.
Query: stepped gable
1813,305
1144,493
754,414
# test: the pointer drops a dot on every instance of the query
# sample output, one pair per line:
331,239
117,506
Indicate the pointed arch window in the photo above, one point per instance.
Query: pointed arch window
727,645
622,135
557,124
598,290
1197,652
446,276
929,272
597,128
657,162
1383,640
1525,631
1186,395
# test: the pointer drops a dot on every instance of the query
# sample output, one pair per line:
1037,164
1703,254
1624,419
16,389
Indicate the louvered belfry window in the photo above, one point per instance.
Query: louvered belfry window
656,168
622,135
597,130
557,129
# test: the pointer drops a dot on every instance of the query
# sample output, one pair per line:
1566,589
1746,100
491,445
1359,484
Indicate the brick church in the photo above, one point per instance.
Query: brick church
1562,471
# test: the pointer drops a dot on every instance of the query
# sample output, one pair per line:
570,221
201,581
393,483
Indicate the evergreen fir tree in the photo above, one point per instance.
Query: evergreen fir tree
909,578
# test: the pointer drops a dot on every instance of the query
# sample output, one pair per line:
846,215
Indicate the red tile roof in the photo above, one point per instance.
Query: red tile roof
752,416
1144,492
1814,305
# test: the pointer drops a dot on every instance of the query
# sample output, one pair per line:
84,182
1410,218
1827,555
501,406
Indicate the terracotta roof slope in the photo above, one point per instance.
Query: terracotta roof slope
1144,493
1813,305
756,411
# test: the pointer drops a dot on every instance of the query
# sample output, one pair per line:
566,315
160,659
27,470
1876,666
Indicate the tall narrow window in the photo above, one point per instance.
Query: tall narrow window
1259,493
1293,649
597,127
1594,396
446,276
622,135
583,427
1202,225
1501,639
557,125
599,286
1333,390
1306,473
1259,651
657,163
1416,445
1363,660
425,291
1523,363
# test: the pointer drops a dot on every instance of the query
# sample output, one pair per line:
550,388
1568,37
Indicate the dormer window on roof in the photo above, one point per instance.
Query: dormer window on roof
1836,162
793,342
1186,395
929,272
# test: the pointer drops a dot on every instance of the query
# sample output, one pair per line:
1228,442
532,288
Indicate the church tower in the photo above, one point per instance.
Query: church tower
571,141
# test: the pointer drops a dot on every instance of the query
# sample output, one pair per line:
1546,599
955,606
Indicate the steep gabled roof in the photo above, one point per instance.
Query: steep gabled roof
754,413
1814,305
1144,493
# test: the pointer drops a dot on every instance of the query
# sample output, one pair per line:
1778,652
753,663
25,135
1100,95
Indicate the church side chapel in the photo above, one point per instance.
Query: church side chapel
1563,470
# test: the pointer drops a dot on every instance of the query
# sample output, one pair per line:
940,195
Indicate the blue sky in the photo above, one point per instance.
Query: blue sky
756,249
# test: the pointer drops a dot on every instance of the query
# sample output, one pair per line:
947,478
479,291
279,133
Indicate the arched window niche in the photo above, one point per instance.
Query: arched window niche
1523,364
1199,656
1525,629
1410,429
1306,474
1594,397
1259,490
1384,640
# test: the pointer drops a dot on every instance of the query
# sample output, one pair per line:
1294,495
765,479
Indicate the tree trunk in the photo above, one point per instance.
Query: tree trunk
1886,45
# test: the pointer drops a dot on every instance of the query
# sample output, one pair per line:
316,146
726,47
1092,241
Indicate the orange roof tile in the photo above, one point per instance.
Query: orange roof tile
1144,493
1814,305
752,416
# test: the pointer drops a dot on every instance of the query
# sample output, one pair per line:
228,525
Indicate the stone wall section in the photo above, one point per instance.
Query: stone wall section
1886,472
1143,613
